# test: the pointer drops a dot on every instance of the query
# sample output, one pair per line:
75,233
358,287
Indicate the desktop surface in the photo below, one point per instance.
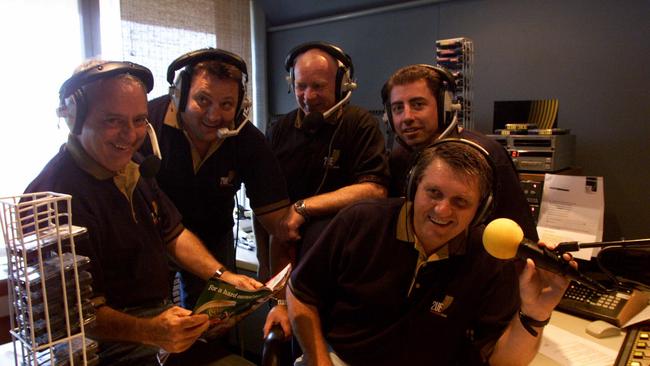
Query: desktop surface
576,326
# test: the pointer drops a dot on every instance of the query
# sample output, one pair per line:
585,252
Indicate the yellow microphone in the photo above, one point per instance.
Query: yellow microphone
504,239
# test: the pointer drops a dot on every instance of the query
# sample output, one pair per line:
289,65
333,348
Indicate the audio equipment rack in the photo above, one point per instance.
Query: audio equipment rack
49,288
457,56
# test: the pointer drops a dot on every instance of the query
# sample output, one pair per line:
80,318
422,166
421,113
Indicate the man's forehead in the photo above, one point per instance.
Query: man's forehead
440,173
411,90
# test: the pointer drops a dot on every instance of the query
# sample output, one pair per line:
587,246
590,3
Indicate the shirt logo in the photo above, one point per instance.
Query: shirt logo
330,162
438,307
227,182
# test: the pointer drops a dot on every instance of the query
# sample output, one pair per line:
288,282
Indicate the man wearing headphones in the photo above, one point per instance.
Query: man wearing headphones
132,226
419,108
209,148
331,153
408,282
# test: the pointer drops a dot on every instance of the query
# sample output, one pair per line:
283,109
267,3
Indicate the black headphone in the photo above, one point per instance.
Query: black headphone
446,106
345,71
179,89
487,203
73,105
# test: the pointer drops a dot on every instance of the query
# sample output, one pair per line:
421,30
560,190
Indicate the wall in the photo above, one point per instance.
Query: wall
591,55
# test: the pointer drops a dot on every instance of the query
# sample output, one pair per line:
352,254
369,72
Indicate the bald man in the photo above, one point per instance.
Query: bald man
332,153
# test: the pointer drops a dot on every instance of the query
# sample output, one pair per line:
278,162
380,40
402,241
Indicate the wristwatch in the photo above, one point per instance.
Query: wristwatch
277,301
219,272
301,208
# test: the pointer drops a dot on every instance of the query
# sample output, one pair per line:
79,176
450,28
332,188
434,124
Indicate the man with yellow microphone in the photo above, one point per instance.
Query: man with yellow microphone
409,281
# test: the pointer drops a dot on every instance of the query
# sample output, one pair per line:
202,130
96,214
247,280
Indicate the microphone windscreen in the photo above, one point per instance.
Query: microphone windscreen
501,238
150,166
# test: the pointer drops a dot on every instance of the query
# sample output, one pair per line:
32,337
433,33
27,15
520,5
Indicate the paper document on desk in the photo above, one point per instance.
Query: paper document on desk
572,209
568,349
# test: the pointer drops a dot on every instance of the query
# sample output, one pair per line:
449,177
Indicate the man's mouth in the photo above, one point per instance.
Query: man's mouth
120,146
410,130
438,221
210,125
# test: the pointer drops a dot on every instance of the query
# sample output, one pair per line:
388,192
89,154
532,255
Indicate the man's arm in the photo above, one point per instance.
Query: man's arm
332,202
174,330
307,329
191,254
540,292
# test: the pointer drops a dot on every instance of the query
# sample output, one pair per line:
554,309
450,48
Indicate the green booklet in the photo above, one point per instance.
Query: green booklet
226,304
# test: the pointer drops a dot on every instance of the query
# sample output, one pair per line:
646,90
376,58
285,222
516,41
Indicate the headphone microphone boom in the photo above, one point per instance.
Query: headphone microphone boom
151,164
504,239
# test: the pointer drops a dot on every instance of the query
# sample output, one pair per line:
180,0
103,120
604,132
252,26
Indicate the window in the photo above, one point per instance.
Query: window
42,46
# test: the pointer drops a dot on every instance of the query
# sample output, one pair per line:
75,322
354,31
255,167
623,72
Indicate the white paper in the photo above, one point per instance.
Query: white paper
568,349
572,209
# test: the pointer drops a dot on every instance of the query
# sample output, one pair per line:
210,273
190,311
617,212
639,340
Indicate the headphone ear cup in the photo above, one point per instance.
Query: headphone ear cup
73,111
347,84
181,90
289,80
483,211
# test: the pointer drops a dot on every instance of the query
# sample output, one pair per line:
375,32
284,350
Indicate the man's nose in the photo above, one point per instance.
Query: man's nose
214,113
443,207
408,113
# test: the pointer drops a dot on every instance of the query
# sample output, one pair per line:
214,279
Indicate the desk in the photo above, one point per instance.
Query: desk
576,325
567,322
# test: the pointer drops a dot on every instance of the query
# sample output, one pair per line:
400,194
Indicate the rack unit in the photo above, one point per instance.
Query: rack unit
49,288
457,55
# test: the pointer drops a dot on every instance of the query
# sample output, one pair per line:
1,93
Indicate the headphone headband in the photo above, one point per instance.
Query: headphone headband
103,71
206,54
329,48
73,105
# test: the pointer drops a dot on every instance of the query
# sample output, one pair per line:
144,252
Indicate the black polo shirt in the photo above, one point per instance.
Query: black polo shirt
129,221
204,190
510,201
356,154
383,302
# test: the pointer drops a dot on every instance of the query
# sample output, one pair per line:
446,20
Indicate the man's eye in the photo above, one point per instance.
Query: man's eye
202,100
397,109
113,122
461,202
435,194
227,105
418,105
139,122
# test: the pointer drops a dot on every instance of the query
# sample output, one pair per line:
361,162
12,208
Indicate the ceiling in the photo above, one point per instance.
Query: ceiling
281,12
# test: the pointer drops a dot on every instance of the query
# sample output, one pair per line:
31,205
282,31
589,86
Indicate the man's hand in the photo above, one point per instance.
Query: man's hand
541,290
278,315
241,281
291,224
175,329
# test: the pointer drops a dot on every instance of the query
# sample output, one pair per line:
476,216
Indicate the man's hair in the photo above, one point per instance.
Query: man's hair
411,74
219,69
463,158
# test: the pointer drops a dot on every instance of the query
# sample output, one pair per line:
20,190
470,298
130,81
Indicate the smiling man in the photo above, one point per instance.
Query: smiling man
133,228
418,103
209,148
407,281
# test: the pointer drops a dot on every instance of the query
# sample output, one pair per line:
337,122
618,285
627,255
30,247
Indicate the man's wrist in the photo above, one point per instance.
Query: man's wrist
219,272
275,301
301,208
528,323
